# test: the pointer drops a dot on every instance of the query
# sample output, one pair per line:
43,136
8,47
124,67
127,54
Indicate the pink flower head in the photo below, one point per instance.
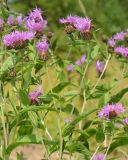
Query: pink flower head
81,61
111,43
99,66
34,95
11,20
35,21
68,20
126,121
83,24
123,51
19,19
99,156
42,46
17,39
70,68
119,36
1,23
111,111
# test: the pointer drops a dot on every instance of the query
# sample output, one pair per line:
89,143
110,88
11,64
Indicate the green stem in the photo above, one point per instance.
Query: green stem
82,7
4,127
101,75
108,148
95,152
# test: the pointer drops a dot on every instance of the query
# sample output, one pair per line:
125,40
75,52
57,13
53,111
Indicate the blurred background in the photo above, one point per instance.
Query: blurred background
108,15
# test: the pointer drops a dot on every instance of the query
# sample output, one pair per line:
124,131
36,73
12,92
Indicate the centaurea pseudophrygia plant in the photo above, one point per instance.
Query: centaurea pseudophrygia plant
69,104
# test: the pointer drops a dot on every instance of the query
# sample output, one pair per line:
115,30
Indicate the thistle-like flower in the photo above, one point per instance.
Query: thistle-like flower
1,23
83,24
35,21
123,51
125,121
20,19
99,66
99,156
34,95
42,47
17,39
111,43
111,111
68,20
70,68
81,61
119,36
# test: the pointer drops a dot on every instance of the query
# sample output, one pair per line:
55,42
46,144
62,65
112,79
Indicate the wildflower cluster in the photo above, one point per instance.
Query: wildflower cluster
94,112
79,63
35,21
111,111
34,95
75,23
12,20
117,43
33,24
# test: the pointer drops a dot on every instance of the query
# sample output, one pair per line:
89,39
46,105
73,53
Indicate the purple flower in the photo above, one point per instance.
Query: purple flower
83,24
34,95
68,20
119,36
111,43
1,23
11,21
17,39
126,121
78,63
81,61
99,156
99,66
42,46
19,19
35,21
111,111
123,51
70,68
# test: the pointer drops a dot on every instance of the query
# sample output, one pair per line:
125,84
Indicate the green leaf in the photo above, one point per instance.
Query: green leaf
95,52
28,139
5,12
54,44
100,135
7,64
46,98
119,142
24,97
60,87
33,118
36,108
70,109
78,147
25,128
69,127
27,78
117,97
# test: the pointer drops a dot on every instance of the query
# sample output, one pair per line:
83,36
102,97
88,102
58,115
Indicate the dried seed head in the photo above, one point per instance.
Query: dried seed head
12,72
